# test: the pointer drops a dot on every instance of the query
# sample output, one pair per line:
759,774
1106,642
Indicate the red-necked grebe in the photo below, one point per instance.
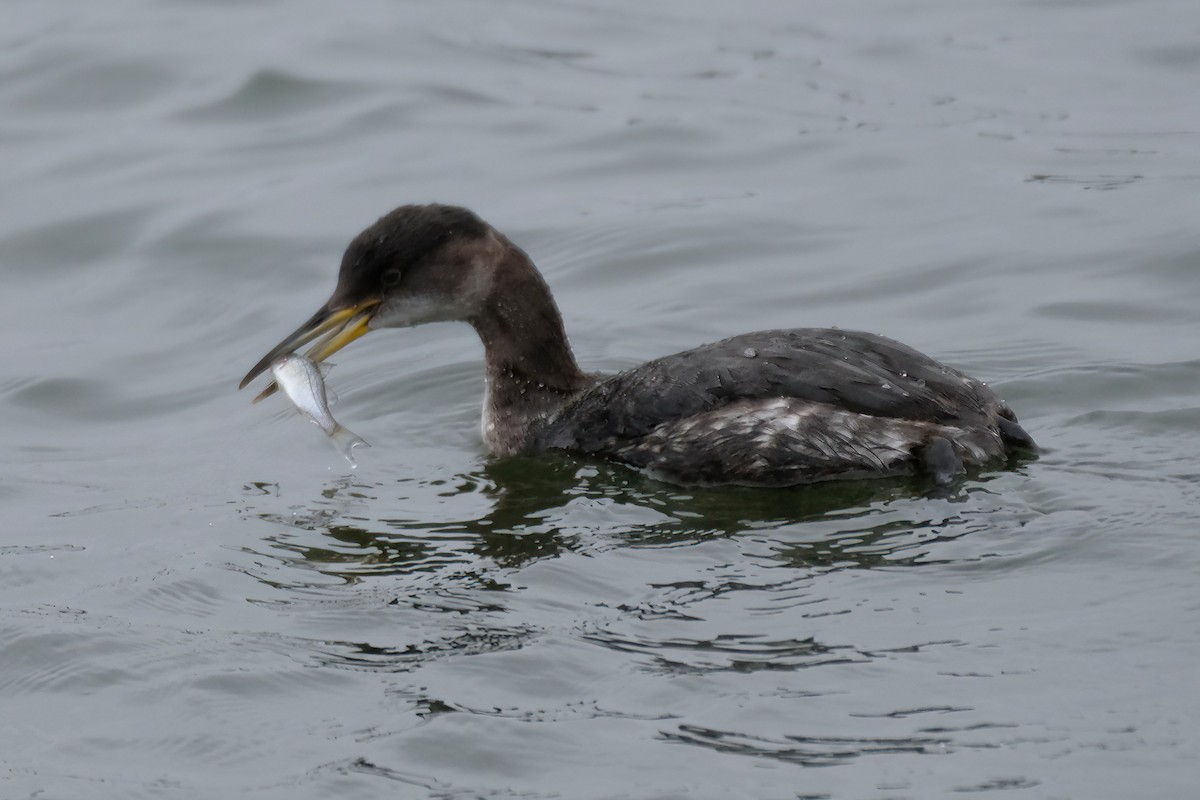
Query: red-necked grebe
771,408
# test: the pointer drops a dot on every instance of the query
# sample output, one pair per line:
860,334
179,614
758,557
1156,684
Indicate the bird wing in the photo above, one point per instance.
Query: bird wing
850,370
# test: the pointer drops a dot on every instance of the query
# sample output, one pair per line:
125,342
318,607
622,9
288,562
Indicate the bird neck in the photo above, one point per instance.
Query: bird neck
531,370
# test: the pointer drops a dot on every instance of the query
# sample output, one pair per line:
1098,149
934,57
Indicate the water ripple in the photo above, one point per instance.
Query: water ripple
738,653
812,751
273,95
77,242
1009,187
456,641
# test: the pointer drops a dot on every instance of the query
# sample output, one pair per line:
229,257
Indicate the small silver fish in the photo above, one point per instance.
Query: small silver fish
302,381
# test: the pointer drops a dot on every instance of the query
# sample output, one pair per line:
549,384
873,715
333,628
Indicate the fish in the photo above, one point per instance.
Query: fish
304,384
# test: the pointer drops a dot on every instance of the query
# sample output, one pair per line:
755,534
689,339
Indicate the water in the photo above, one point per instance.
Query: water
199,599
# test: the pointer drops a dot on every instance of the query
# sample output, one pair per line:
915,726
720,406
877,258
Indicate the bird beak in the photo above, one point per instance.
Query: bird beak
333,328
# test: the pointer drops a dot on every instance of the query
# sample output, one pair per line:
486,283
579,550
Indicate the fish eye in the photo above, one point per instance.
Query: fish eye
391,277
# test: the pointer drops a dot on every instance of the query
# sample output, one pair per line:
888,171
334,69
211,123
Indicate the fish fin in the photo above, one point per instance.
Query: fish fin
323,367
346,440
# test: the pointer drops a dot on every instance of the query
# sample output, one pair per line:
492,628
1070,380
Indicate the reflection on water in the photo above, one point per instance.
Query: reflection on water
456,588
540,508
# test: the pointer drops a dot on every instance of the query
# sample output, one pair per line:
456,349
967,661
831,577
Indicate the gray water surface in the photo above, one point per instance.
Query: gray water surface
199,599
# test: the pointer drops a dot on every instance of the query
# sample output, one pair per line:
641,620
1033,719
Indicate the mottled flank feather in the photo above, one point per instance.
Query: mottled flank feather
782,407
785,441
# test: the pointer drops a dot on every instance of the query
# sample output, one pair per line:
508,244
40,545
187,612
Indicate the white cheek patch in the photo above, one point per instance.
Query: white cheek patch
406,311
468,294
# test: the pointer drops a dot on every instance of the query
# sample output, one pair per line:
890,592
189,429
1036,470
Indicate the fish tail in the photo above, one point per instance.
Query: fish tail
346,440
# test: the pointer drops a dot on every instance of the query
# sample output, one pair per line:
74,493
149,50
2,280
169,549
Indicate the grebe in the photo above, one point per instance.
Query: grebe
771,408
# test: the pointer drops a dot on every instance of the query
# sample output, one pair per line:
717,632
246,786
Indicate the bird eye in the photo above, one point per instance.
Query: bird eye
391,277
